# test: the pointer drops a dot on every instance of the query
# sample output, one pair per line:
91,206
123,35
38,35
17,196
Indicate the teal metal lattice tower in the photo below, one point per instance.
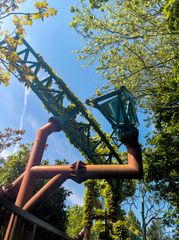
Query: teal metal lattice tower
85,134
118,107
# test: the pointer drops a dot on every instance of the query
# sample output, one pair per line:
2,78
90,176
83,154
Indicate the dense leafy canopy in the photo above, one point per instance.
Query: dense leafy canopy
163,160
156,231
168,7
113,192
134,45
75,220
130,42
76,223
14,165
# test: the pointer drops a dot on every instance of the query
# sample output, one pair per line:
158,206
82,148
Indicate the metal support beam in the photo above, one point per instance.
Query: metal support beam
28,182
78,172
51,91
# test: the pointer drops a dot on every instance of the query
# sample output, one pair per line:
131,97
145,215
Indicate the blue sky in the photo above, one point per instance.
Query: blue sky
54,40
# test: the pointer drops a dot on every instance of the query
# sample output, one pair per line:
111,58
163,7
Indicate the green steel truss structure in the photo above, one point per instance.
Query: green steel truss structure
85,134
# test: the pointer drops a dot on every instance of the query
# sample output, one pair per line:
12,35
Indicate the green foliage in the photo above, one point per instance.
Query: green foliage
59,162
52,210
8,56
76,223
89,202
10,138
99,227
131,43
134,226
149,205
96,3
99,213
113,193
75,220
163,161
14,165
120,229
135,45
156,231
171,10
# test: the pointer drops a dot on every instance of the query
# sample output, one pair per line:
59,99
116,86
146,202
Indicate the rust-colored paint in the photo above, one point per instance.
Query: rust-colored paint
87,233
44,193
78,172
80,235
28,182
9,191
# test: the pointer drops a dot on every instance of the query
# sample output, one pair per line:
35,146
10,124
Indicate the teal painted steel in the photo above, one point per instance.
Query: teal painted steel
51,90
119,110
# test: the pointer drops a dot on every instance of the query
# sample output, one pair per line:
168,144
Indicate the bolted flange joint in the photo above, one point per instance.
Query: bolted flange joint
78,171
58,122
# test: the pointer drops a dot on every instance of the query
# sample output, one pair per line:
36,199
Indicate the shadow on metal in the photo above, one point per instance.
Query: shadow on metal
33,227
118,107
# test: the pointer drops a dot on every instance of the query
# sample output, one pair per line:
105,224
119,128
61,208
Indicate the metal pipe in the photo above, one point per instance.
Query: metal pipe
87,233
126,171
47,172
10,191
28,182
44,193
131,170
80,171
80,235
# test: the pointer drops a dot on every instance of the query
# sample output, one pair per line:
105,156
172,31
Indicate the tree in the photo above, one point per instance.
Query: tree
163,160
9,138
75,220
114,193
134,223
150,207
52,211
76,223
156,231
130,41
176,234
8,57
134,46
169,8
14,165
